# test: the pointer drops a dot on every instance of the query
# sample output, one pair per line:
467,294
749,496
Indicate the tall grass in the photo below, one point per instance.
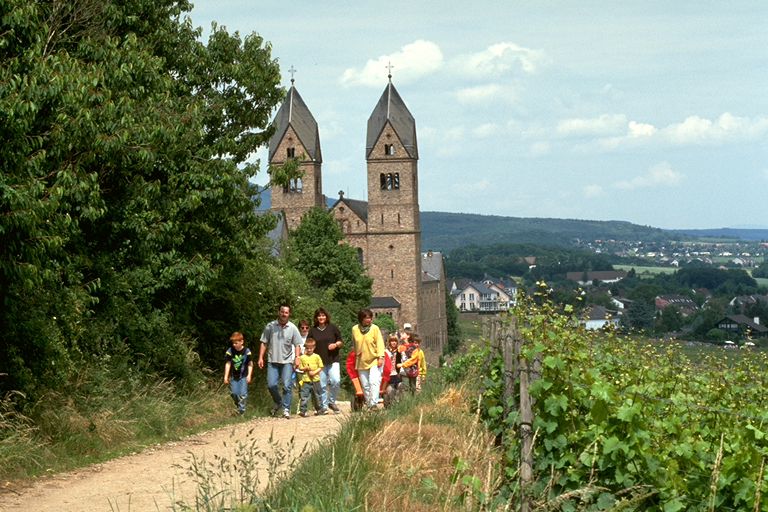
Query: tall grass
428,452
102,414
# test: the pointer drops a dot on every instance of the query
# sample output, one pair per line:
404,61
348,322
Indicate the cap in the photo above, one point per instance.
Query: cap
407,326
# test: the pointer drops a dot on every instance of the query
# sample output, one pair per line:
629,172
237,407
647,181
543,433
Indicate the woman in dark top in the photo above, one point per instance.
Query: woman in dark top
328,342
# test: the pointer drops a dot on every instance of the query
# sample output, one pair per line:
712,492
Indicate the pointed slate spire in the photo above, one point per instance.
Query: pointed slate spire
295,113
391,108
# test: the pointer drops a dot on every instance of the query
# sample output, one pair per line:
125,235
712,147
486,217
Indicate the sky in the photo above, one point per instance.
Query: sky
652,112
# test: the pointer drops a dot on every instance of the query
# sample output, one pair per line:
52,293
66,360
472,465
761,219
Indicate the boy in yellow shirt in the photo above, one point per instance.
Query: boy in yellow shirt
311,364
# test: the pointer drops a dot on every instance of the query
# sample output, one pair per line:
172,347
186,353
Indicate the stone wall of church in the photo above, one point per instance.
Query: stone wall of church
392,260
295,203
434,323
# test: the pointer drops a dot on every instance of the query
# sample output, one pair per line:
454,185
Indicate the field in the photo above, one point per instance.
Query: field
646,272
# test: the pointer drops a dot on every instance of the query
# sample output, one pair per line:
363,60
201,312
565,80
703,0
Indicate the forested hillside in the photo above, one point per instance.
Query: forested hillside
445,231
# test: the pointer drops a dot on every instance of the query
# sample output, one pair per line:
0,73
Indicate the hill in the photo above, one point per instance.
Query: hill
728,233
443,231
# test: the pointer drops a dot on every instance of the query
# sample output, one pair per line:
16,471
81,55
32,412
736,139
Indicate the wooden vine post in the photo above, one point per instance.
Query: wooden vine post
517,370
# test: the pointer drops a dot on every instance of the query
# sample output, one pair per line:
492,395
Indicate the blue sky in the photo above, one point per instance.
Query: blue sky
652,112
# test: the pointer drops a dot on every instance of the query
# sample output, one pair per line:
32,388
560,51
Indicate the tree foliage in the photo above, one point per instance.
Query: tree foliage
122,204
316,249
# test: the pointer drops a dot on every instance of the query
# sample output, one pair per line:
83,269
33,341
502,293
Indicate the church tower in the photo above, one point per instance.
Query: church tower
393,253
296,137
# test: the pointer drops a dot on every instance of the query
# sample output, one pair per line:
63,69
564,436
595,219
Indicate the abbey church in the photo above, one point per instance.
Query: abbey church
407,284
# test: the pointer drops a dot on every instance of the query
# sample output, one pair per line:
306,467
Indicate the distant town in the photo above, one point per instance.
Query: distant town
709,290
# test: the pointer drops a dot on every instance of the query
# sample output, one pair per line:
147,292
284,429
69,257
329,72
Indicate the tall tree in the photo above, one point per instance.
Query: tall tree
317,249
121,199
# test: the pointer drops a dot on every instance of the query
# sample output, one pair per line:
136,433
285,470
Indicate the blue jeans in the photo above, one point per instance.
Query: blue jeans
277,372
239,390
330,379
305,392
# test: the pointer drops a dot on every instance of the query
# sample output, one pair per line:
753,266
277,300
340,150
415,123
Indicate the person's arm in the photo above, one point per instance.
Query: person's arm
380,349
297,353
262,351
338,343
250,372
263,347
422,365
227,367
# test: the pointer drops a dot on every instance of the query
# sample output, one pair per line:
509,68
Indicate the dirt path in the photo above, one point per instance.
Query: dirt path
156,478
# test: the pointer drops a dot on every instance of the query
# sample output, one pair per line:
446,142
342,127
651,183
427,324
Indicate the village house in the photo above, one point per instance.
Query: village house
598,317
743,326
685,305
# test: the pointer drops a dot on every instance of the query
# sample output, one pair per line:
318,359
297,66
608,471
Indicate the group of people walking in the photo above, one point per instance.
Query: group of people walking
308,355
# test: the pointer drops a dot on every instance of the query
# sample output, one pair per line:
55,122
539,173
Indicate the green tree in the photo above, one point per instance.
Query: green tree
454,330
639,316
122,201
317,249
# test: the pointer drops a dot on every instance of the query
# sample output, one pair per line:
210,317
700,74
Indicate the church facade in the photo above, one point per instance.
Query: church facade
407,284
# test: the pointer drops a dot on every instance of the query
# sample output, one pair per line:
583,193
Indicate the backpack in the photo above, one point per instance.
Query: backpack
411,371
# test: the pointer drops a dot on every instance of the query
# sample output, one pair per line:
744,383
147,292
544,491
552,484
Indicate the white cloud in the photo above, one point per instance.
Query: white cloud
693,130
637,130
500,58
606,124
592,191
698,130
478,94
660,175
412,61
485,130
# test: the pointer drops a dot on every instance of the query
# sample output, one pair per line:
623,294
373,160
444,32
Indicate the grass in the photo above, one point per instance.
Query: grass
646,271
100,416
471,329
427,452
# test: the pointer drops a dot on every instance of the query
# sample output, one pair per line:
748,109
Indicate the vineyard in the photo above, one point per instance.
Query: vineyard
622,423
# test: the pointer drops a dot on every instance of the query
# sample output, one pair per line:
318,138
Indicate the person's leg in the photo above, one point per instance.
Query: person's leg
334,384
322,395
234,390
305,391
273,385
375,378
365,383
286,371
412,384
243,395
418,384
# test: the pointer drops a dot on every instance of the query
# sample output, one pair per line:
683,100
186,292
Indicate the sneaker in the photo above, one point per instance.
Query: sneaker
321,412
275,408
334,408
303,414
286,414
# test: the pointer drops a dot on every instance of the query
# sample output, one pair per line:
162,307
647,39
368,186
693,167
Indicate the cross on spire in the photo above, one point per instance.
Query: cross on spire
389,67
292,71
